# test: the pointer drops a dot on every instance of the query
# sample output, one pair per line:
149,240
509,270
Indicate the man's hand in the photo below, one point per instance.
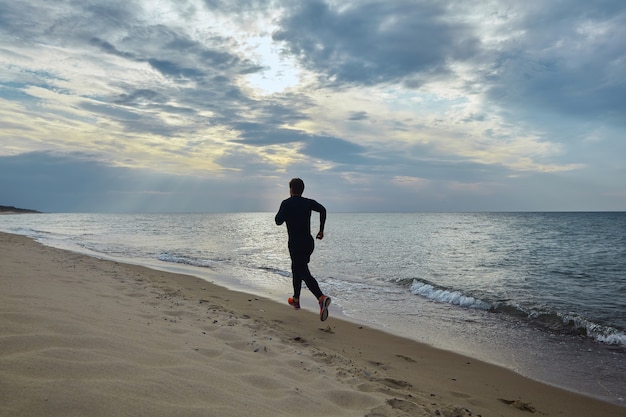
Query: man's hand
320,235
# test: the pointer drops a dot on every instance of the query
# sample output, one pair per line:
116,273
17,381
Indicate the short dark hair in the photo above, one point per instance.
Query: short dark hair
296,185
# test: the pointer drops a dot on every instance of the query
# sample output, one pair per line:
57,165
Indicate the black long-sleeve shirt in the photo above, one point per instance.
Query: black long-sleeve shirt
296,212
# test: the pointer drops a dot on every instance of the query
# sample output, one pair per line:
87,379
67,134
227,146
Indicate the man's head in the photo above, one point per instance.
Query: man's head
296,186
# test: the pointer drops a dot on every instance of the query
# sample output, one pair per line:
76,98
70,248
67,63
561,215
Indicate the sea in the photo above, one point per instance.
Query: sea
543,294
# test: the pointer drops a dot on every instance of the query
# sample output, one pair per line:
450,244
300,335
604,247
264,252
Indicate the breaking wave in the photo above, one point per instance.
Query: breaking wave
553,321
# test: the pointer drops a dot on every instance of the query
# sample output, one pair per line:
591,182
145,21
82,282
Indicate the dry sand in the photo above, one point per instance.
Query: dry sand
80,336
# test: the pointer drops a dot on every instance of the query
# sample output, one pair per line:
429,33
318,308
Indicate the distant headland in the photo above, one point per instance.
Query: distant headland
11,209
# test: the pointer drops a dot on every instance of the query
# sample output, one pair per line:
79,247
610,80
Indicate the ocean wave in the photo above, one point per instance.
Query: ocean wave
443,295
215,263
565,324
31,232
575,325
185,260
275,271
617,338
552,321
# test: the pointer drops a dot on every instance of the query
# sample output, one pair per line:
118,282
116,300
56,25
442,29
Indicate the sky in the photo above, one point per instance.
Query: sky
214,105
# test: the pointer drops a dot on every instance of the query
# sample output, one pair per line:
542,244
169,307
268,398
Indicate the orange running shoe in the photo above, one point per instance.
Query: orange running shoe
324,303
293,302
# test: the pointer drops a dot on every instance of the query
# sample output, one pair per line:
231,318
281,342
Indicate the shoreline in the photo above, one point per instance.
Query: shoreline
82,335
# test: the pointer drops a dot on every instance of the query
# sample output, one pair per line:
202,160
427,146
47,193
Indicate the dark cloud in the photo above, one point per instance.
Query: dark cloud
568,61
336,150
261,135
117,113
257,121
375,41
317,147
140,118
175,55
65,23
172,69
106,47
358,115
139,96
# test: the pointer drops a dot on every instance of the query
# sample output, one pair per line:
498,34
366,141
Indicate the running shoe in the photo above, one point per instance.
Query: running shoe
324,303
294,303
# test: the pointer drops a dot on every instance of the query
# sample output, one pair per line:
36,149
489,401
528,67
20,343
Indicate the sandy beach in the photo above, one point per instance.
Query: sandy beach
81,336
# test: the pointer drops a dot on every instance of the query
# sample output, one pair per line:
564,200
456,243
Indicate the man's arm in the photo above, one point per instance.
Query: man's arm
322,210
280,216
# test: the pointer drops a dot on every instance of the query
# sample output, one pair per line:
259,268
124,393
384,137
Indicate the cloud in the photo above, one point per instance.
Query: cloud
568,61
358,115
259,135
467,102
335,150
375,42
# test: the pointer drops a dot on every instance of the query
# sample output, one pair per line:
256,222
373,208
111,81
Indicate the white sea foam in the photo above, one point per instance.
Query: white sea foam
446,296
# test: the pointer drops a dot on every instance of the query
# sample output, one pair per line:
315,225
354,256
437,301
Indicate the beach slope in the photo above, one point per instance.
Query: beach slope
80,336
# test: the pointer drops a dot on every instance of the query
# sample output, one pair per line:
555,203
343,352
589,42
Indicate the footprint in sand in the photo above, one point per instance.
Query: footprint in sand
406,406
395,383
406,358
520,405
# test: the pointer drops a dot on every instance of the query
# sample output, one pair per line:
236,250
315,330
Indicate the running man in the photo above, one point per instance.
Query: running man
296,212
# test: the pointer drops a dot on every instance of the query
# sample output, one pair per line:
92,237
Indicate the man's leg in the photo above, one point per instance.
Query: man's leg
296,280
311,282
